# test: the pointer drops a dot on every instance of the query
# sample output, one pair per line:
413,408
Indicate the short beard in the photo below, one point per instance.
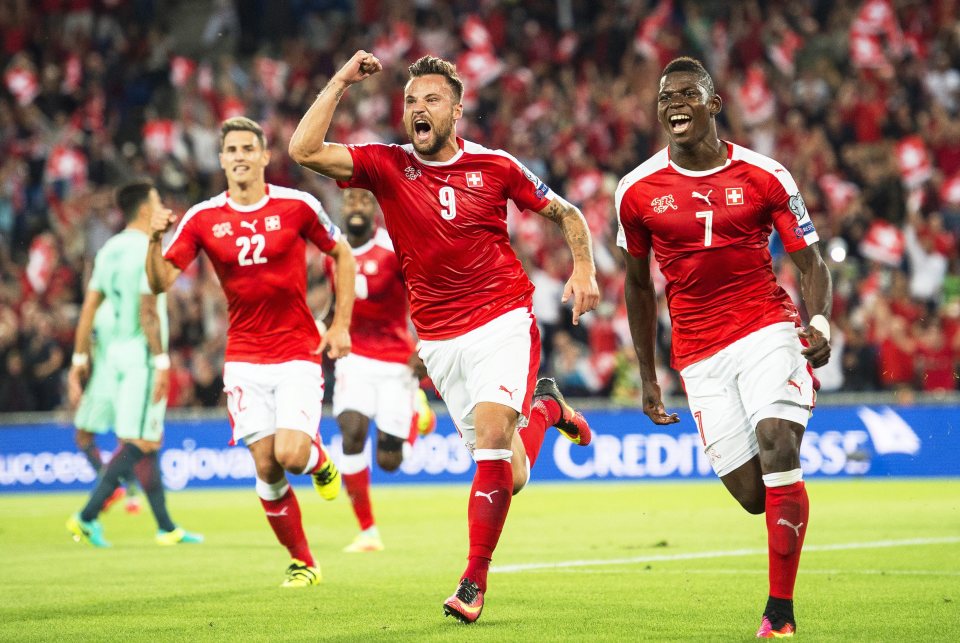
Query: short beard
431,148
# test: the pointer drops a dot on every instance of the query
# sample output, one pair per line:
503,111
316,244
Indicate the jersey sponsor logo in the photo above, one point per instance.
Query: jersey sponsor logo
252,226
662,203
474,179
222,229
272,223
797,206
705,197
411,173
734,196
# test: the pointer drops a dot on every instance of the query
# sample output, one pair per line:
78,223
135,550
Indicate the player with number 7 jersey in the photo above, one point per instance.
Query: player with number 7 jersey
255,235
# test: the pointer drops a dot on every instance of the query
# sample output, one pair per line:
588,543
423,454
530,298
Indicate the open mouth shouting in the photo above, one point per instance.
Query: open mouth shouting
421,130
680,123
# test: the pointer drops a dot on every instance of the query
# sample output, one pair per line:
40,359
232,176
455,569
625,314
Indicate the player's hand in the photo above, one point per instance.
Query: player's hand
417,366
653,405
360,67
817,351
160,222
161,384
336,342
582,285
76,378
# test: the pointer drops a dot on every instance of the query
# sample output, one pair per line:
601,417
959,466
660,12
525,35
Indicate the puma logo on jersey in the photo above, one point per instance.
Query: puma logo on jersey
792,383
508,391
705,197
786,523
446,180
488,496
251,226
662,203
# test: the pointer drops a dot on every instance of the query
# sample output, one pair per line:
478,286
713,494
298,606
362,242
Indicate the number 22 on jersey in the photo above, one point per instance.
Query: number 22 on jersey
255,243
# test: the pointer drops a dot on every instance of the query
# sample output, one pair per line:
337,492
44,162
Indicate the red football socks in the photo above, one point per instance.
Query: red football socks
787,512
486,512
358,487
284,516
543,414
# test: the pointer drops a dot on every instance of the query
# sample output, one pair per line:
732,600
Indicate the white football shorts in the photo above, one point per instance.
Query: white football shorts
762,375
496,362
383,391
262,398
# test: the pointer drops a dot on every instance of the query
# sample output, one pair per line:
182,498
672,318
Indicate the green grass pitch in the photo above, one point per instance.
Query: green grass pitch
577,562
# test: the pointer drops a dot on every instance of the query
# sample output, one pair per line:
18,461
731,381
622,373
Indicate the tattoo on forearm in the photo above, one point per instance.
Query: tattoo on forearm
574,228
337,95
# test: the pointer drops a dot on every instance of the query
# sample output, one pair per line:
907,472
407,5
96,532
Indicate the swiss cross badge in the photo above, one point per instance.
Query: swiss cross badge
272,223
474,179
734,196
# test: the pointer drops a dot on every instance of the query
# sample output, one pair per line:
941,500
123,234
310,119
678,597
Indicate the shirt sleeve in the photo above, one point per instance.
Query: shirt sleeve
317,226
789,212
525,188
632,235
185,245
364,166
97,276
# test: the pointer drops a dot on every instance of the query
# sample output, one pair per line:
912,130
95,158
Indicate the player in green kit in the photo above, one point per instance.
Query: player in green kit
94,404
137,368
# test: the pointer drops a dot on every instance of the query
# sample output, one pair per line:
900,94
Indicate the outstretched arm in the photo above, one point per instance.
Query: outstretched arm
816,289
641,301
336,341
583,282
307,145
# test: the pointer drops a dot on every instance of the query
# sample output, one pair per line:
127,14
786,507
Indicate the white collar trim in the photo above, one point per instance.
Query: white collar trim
454,159
253,207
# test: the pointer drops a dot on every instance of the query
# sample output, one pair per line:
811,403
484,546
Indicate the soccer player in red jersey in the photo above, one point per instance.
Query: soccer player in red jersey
376,380
706,208
255,235
444,204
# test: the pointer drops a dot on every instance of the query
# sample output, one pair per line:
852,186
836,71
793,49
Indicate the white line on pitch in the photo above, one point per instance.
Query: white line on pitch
877,544
805,572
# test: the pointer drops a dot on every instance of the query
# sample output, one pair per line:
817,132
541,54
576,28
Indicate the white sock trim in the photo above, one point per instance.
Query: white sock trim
782,478
353,463
273,491
492,454
312,459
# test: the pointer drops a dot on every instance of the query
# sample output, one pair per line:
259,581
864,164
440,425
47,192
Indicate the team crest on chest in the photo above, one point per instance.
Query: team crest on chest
370,267
411,173
272,223
222,229
663,203
734,196
474,179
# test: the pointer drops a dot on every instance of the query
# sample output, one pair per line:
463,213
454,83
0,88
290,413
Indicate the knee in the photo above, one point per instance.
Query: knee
389,460
290,459
754,504
353,443
83,439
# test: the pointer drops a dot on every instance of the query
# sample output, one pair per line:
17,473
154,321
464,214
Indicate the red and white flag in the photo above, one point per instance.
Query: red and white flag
756,100
914,161
883,243
181,70
645,40
22,82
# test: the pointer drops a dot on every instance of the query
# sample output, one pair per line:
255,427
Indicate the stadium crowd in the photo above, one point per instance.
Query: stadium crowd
859,99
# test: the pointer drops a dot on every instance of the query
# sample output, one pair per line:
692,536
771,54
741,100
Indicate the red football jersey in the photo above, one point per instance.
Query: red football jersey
448,222
709,231
259,254
378,329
